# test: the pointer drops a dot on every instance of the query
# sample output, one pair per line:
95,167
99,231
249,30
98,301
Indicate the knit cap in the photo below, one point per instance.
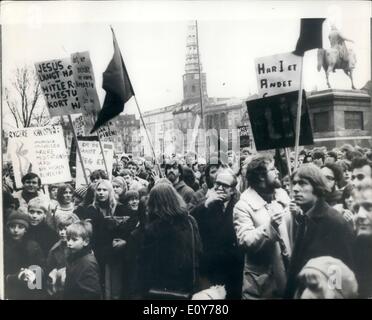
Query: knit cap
81,191
19,217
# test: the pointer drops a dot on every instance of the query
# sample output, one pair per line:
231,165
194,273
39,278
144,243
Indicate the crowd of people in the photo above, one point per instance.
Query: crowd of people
247,227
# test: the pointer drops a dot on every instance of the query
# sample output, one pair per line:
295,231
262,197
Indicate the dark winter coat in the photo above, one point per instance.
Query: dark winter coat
326,233
362,251
17,255
222,261
166,258
82,277
44,235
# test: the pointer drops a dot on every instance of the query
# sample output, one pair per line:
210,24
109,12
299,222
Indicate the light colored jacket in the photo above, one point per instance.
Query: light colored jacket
264,272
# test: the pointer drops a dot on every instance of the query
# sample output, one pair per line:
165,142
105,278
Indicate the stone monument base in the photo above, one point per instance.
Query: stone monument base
340,116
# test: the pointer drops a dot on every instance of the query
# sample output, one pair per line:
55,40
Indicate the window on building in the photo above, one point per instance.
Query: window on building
193,88
353,120
321,121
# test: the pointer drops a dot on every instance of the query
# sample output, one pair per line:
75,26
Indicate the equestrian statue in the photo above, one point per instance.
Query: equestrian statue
337,57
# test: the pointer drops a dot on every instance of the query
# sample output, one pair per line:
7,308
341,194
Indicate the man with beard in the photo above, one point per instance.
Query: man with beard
262,221
319,229
173,171
210,177
363,243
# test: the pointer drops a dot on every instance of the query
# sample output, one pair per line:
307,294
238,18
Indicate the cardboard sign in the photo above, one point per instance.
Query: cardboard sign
93,160
58,86
40,150
85,84
244,136
273,121
278,74
84,123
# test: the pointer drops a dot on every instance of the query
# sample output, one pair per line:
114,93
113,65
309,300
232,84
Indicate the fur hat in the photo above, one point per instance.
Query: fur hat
18,217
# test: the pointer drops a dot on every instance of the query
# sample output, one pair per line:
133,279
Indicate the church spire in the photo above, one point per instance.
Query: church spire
191,83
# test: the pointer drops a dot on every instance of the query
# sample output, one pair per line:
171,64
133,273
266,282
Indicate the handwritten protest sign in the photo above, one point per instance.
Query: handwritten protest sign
58,86
278,74
40,150
85,84
273,121
93,160
244,136
84,123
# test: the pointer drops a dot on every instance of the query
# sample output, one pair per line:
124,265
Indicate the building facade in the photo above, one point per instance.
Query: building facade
172,128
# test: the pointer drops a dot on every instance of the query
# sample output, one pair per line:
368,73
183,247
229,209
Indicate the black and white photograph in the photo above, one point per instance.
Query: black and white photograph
186,150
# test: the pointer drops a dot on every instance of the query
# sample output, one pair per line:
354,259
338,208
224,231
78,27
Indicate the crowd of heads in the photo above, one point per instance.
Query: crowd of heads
341,176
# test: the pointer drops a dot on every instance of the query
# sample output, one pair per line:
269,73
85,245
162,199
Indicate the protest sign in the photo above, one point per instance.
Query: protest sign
58,86
108,131
85,84
84,123
244,136
40,150
273,121
93,160
278,74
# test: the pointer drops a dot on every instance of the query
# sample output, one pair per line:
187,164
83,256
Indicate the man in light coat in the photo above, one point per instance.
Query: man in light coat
262,222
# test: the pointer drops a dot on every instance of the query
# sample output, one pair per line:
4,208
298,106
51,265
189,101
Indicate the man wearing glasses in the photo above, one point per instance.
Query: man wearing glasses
222,261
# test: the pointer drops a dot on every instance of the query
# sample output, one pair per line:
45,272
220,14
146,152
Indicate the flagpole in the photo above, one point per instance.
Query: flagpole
78,150
298,118
148,137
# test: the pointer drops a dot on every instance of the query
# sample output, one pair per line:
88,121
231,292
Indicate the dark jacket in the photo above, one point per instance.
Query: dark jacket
184,191
166,258
44,235
222,260
362,250
17,255
57,257
321,232
82,277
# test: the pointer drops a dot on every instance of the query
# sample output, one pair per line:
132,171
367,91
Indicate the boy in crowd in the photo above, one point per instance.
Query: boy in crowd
57,255
22,257
40,231
82,271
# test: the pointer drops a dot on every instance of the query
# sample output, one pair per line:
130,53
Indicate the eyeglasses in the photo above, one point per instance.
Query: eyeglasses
223,185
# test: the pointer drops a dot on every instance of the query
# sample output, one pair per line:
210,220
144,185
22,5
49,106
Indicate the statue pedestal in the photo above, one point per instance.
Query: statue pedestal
340,116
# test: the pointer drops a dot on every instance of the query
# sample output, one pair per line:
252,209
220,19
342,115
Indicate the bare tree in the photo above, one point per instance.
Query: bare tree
23,99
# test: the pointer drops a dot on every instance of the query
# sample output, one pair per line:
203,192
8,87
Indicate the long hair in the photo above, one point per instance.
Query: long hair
314,175
165,203
61,191
111,202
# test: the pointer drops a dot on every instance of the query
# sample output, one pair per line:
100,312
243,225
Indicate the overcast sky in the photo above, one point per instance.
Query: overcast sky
152,39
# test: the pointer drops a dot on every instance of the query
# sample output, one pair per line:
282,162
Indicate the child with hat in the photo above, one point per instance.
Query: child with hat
23,260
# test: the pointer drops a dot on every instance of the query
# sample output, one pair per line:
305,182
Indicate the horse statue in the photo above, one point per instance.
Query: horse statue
330,61
337,57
